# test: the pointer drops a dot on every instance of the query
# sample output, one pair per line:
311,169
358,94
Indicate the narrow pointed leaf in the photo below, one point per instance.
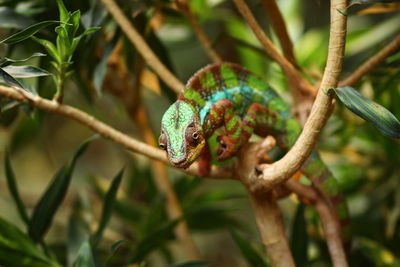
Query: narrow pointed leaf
85,256
370,111
108,206
28,32
50,48
12,186
51,200
378,254
252,256
7,61
367,2
75,21
77,39
16,249
299,237
64,14
25,71
100,70
63,42
77,232
7,79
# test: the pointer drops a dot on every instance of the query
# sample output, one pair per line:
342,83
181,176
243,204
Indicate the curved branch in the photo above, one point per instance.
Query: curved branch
142,47
372,63
283,169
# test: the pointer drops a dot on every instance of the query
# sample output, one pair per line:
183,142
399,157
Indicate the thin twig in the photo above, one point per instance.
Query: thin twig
184,6
372,63
331,227
303,191
300,87
103,129
279,26
142,47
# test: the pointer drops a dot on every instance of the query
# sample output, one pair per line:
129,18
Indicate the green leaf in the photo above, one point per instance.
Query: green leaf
85,256
365,2
63,42
75,21
153,241
11,19
64,14
25,71
78,232
50,48
108,207
379,255
28,32
13,188
252,256
100,70
51,200
299,237
77,39
370,111
7,79
7,61
16,249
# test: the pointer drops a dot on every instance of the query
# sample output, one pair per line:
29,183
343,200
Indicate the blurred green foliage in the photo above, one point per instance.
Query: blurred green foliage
85,218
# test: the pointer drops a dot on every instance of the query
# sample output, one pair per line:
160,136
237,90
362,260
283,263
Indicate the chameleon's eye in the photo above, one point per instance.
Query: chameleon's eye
162,142
195,135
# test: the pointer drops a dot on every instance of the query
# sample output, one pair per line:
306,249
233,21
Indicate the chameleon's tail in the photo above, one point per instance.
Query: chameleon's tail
323,180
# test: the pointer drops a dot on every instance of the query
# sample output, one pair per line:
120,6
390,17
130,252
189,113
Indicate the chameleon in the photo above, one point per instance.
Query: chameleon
227,96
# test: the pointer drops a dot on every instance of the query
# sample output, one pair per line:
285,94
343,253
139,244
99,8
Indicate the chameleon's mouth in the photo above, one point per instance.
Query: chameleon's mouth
191,156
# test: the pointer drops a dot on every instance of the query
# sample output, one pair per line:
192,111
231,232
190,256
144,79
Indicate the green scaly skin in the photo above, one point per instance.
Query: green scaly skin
228,96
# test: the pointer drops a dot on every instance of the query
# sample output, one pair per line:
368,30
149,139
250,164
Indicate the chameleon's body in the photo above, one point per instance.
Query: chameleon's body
226,95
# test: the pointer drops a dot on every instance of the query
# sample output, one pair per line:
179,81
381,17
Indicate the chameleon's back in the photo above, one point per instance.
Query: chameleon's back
230,81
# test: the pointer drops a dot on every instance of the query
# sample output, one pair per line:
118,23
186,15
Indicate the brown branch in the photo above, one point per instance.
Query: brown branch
372,63
267,213
303,191
103,129
278,172
279,26
184,6
331,227
270,224
300,87
142,47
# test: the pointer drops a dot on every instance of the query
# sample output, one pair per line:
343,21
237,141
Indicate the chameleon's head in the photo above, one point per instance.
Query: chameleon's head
181,134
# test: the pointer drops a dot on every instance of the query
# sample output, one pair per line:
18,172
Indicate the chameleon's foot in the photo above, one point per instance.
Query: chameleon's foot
227,149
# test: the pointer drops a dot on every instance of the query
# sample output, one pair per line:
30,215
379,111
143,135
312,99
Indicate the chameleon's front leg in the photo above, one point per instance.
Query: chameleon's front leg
223,114
239,131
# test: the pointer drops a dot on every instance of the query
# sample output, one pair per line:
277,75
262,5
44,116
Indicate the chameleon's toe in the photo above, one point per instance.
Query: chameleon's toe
227,148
